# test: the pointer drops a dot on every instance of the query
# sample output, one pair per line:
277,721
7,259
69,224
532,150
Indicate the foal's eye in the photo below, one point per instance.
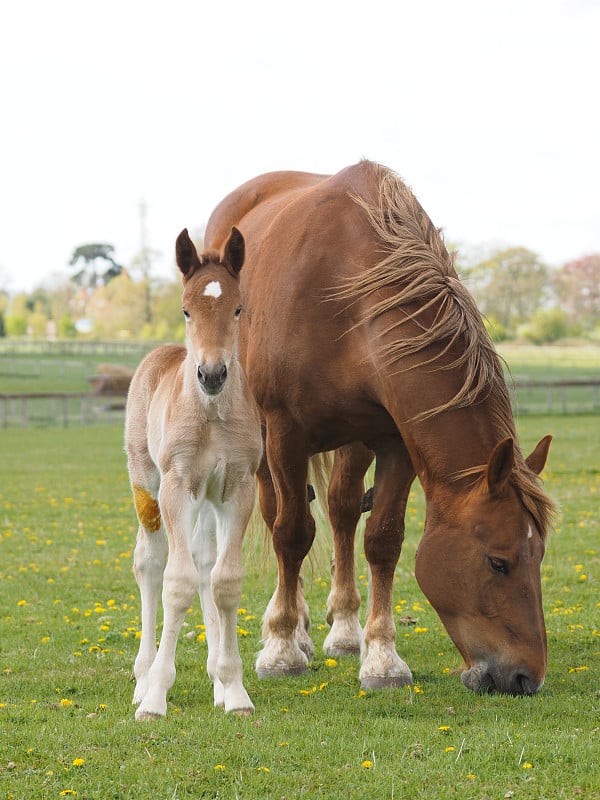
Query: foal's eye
498,565
186,314
238,311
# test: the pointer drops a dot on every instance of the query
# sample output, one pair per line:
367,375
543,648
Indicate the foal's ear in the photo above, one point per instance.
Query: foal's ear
500,466
235,251
185,253
536,460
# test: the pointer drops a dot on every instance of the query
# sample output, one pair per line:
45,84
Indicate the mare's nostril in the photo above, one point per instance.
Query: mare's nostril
201,376
223,375
523,684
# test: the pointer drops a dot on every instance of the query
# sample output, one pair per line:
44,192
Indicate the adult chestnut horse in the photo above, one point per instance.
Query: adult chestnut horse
358,337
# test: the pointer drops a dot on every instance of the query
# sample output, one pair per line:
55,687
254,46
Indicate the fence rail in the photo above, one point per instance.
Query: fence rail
43,409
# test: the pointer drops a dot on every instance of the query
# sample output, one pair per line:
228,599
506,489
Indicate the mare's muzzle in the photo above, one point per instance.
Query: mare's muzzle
486,678
212,378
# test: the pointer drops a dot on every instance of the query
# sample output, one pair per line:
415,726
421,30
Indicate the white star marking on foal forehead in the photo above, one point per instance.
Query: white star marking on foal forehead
213,289
529,533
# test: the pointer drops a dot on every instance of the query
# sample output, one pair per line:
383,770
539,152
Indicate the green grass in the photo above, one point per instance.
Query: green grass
69,614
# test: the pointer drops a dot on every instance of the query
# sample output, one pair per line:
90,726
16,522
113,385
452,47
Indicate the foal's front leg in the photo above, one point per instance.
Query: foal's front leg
180,583
226,585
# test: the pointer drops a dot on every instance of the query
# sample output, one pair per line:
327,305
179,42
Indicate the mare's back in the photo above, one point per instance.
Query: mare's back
305,235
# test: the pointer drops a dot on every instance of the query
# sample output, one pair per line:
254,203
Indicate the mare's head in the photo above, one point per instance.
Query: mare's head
479,565
211,305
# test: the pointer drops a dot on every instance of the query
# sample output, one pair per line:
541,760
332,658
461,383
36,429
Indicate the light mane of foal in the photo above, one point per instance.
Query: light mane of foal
193,445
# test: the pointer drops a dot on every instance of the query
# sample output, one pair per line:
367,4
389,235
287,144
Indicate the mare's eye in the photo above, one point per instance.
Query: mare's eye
238,311
186,314
498,565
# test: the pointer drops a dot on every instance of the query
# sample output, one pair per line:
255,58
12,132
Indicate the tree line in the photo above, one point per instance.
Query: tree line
519,296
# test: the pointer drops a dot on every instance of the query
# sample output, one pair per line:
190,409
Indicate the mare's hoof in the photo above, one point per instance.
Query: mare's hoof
342,649
385,681
279,670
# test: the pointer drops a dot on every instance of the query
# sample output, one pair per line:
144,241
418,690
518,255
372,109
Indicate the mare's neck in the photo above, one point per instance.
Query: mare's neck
454,441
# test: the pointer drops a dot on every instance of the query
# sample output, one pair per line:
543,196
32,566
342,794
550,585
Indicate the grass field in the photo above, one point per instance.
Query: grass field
69,615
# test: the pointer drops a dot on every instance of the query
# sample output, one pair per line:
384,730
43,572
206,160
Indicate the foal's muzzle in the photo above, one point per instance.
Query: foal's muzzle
212,378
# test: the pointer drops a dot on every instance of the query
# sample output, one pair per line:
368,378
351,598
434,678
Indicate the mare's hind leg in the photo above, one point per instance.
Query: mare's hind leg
381,666
149,561
346,488
285,638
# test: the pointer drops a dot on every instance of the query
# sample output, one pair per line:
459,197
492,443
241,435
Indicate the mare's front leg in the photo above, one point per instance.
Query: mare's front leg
180,583
346,489
381,667
287,644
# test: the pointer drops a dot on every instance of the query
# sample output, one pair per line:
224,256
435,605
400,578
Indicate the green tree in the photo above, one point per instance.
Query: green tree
117,309
94,273
579,290
546,325
510,285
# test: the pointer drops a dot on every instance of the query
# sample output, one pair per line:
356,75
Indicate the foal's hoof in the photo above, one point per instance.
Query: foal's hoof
242,712
146,716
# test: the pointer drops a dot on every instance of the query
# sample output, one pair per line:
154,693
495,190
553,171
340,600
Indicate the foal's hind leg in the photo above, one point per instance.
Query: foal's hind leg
149,561
381,667
180,584
293,534
346,488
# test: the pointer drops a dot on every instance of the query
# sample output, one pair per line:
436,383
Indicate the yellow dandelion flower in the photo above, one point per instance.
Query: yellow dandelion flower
527,765
263,769
449,749
220,767
331,662
78,762
444,728
367,764
65,702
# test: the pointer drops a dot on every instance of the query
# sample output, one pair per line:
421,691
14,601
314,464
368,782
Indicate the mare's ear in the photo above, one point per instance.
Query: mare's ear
235,251
185,253
536,461
500,466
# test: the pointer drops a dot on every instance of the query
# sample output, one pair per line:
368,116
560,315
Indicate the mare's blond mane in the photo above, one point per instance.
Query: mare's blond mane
420,273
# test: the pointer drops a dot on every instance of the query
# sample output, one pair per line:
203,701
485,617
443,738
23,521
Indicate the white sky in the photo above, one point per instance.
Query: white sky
488,108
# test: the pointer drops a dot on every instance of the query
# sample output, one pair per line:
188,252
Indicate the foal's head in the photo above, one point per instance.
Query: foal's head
211,305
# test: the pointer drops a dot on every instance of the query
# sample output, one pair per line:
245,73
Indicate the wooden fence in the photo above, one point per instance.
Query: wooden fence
44,409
